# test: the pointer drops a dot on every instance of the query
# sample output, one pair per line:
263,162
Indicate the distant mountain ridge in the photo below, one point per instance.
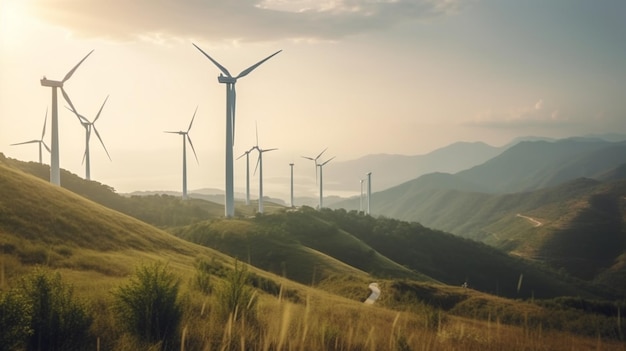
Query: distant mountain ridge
391,170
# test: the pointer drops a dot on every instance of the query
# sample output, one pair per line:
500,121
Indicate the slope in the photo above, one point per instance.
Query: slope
534,165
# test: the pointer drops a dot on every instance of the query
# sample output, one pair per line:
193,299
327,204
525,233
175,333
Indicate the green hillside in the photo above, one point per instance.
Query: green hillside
95,250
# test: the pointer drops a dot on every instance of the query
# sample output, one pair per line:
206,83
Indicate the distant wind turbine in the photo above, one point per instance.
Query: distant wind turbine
247,154
314,159
55,170
291,197
321,167
185,139
369,192
40,141
231,98
89,126
361,197
259,166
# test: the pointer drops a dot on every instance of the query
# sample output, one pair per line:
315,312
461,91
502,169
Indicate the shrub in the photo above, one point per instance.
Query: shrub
148,305
236,298
202,279
58,321
15,316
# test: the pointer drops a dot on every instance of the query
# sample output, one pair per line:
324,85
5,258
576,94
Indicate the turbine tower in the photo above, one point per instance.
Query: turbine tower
369,191
40,141
291,197
89,126
247,154
231,99
314,159
259,165
361,197
321,166
55,170
185,139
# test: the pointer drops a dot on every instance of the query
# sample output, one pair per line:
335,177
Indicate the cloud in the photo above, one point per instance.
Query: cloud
535,115
235,20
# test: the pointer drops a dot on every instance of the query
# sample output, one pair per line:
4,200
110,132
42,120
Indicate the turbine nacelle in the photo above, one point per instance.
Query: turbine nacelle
51,83
226,80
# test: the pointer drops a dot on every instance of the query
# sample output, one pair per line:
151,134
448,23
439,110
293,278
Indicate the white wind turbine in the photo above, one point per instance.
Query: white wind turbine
40,141
361,197
247,154
55,170
314,159
291,197
321,167
231,99
89,127
185,139
259,165
369,192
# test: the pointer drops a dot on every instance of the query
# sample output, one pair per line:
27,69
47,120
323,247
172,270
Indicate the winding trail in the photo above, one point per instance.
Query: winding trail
374,296
535,222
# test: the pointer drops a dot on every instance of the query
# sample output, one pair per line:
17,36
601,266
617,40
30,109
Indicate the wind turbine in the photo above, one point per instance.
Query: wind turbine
247,154
314,159
40,141
185,139
361,197
321,166
89,126
231,99
369,191
291,197
55,170
259,165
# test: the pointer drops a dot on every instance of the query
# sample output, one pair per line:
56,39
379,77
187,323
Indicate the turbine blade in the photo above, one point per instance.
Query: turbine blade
222,68
308,158
101,142
69,74
242,155
101,107
172,132
69,102
192,148
26,142
84,157
318,156
46,146
268,150
43,132
328,161
82,119
192,118
233,111
258,160
246,71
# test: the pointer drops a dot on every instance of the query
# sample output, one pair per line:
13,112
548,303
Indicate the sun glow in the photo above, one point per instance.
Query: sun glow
13,18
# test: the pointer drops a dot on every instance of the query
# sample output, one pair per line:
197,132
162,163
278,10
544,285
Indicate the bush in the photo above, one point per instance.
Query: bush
15,316
236,298
148,305
58,321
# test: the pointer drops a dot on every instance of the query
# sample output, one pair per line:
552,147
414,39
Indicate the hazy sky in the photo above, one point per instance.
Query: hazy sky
357,76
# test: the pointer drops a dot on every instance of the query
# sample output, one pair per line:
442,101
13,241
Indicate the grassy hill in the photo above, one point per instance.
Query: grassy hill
95,249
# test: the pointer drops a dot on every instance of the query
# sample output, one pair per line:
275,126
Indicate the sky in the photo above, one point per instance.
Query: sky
357,77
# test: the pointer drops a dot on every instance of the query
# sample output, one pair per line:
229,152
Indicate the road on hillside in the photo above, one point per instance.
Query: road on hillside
375,294
535,222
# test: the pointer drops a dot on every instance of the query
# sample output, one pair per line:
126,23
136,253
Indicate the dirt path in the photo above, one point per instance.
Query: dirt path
535,222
